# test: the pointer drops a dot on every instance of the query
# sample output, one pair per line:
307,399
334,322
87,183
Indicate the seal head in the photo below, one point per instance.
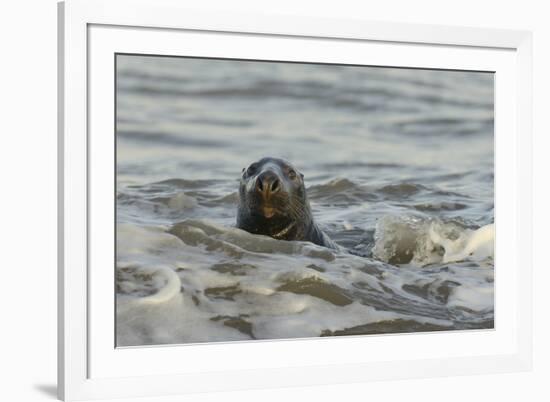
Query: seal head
273,202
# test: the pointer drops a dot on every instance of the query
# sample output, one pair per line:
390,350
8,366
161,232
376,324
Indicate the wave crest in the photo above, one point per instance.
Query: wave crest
423,241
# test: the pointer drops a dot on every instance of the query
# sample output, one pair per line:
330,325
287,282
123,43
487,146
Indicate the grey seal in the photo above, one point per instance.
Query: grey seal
273,202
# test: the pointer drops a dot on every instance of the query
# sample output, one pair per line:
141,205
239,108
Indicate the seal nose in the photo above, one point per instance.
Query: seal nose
267,183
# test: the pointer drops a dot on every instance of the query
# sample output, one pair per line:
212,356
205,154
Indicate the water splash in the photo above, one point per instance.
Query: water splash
423,241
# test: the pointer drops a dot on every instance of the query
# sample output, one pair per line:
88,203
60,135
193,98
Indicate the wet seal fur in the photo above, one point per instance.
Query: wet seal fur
273,202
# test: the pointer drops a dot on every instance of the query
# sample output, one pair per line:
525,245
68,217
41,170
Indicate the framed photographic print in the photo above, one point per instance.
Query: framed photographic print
252,201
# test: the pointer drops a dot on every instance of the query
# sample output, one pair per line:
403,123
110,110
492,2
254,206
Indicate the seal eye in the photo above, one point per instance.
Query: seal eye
292,174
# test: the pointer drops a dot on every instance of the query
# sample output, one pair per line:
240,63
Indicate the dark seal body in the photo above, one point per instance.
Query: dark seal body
273,202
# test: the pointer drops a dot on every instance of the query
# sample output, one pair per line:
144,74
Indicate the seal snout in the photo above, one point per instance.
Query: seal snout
268,183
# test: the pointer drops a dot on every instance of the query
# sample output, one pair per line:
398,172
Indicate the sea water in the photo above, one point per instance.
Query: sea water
398,167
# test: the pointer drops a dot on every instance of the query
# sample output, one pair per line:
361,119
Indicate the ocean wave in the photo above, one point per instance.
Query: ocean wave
255,287
167,138
424,241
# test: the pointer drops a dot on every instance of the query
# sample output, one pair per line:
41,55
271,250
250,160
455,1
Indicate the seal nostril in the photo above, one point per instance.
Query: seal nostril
275,185
259,184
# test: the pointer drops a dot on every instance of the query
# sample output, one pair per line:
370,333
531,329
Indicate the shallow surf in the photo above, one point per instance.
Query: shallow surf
398,167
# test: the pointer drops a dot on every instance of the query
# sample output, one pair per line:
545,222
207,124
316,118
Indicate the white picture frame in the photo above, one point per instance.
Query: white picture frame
90,367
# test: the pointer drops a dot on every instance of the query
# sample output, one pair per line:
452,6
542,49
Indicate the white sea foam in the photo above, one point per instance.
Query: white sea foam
474,245
204,282
421,241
